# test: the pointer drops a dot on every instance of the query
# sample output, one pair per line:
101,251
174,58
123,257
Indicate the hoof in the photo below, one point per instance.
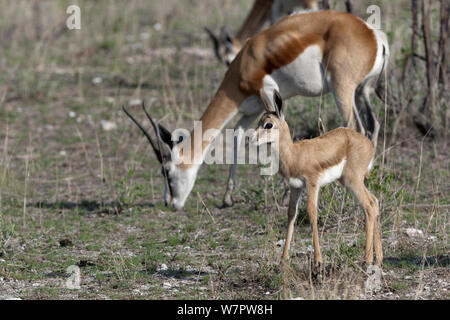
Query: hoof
284,263
316,271
227,202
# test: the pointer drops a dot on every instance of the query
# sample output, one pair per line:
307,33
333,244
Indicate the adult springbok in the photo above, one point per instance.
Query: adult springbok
342,154
305,54
226,48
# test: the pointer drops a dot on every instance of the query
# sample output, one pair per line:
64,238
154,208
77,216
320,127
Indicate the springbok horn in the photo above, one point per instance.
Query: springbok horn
216,43
167,136
149,138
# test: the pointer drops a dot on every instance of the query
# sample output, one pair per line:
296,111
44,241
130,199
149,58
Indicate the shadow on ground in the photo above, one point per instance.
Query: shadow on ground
89,206
430,261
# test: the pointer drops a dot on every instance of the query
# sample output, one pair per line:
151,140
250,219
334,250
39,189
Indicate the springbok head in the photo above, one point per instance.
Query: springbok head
178,182
225,47
271,121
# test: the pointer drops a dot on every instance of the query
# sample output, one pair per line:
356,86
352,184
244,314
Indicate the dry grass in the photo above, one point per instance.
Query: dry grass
74,194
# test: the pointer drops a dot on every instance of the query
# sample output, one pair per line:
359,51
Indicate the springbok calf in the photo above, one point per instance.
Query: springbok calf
226,48
305,54
342,154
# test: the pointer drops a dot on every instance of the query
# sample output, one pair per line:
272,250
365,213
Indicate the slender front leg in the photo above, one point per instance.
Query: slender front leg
377,233
243,124
313,191
292,215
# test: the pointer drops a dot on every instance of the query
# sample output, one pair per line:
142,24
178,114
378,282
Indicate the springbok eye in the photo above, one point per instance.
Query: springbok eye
268,126
180,139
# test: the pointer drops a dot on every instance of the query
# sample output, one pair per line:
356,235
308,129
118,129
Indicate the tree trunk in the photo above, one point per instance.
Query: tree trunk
415,28
429,56
349,6
443,44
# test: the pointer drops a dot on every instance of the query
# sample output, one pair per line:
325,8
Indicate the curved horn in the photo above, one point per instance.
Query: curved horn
216,43
149,138
168,135
165,138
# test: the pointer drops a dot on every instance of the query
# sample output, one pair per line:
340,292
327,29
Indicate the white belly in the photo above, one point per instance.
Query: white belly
304,76
332,174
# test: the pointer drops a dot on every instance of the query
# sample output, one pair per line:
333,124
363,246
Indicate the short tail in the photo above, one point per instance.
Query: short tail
380,86
369,169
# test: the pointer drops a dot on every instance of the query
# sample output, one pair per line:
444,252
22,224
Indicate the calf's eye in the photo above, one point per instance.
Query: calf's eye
268,126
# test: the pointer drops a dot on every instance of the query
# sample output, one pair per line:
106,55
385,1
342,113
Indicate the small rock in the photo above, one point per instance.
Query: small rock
157,26
108,125
90,119
413,233
97,80
49,127
135,102
373,282
63,153
137,292
110,100
163,267
72,114
167,285
144,36
136,46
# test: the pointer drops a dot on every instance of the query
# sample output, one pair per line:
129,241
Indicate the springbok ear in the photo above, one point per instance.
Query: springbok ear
216,43
165,135
268,105
278,102
226,39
